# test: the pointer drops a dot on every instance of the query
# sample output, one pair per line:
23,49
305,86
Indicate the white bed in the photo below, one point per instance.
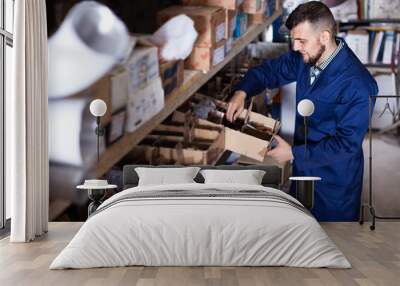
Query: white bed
245,225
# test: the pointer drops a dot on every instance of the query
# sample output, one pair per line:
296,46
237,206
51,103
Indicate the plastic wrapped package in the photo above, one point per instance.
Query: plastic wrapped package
176,38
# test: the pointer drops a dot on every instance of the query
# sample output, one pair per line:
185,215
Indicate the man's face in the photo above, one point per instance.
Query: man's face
306,40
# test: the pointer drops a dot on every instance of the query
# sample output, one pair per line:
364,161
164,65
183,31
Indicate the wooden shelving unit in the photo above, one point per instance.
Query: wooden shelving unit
369,21
382,67
390,25
193,81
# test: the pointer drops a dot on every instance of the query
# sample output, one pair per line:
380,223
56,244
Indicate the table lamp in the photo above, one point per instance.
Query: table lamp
305,185
98,108
96,188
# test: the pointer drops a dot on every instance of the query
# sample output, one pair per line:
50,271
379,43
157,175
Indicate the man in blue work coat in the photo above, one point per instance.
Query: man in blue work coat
329,74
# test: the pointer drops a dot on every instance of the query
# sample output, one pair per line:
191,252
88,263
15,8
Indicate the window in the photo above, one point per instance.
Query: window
9,13
6,43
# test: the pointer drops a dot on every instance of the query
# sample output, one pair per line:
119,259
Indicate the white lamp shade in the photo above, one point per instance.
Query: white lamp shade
305,107
98,107
90,41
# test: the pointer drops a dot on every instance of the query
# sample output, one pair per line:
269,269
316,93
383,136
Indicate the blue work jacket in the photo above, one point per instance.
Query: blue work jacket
336,129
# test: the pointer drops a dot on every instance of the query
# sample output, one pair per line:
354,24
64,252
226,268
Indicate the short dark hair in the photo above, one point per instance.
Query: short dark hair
314,12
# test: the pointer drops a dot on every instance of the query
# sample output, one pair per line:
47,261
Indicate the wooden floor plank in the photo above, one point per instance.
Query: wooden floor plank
375,257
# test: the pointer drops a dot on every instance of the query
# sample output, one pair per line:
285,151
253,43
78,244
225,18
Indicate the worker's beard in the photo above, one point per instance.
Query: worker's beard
313,60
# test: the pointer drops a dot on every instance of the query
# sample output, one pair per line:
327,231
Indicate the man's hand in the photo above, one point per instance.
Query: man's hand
282,152
235,105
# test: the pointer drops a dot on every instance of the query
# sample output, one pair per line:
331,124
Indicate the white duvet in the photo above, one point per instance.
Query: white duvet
200,231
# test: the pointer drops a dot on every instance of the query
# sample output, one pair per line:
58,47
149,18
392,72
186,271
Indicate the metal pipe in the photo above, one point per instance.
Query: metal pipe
370,150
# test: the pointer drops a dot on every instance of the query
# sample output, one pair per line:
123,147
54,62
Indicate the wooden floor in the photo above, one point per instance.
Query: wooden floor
375,257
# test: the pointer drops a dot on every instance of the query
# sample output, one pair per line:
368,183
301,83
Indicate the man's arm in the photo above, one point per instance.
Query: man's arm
270,74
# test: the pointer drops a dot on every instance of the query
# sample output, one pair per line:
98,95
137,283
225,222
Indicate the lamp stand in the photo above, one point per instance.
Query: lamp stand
305,137
99,132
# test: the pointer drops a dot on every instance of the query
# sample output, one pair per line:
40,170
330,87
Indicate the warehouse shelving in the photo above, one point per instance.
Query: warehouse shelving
193,80
382,68
384,25
363,22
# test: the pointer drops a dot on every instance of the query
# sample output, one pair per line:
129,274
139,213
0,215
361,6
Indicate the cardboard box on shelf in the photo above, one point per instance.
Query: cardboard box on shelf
227,4
177,144
116,128
252,6
137,71
189,134
245,143
144,104
241,25
172,75
204,59
230,22
169,155
179,117
209,22
109,88
256,19
259,16
142,67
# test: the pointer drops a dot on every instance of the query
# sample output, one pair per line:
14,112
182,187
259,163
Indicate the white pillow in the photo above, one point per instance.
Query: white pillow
163,176
248,177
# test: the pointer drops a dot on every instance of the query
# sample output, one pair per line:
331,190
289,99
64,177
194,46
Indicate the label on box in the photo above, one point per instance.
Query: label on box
144,104
218,55
142,68
220,32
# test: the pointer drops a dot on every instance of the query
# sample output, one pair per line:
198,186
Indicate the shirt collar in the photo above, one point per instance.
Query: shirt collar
327,61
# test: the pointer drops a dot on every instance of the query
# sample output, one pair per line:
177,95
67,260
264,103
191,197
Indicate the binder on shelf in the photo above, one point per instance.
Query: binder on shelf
357,41
376,46
388,48
397,49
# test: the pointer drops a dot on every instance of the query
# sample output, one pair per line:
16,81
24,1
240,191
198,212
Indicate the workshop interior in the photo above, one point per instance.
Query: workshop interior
176,141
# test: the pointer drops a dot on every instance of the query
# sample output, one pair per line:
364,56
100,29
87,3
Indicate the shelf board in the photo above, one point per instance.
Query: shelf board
382,68
369,21
380,65
193,81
